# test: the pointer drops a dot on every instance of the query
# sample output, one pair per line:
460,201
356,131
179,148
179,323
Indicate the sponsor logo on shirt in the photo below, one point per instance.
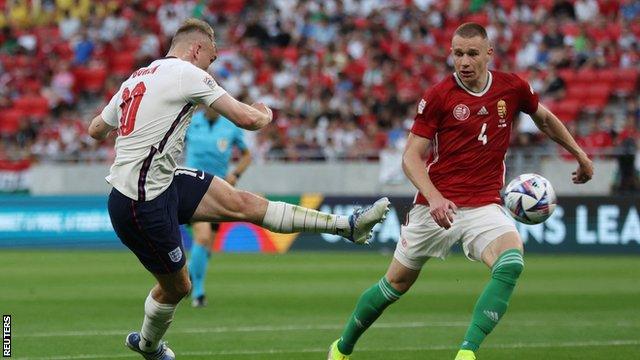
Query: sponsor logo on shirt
461,112
483,111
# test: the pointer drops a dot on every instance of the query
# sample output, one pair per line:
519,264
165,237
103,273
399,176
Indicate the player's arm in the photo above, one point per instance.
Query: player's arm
197,86
99,129
441,209
250,117
241,167
549,124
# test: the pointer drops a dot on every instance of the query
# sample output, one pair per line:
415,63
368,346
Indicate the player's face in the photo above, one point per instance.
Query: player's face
470,58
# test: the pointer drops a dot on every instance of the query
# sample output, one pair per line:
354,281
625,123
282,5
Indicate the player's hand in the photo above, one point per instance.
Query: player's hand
232,179
263,109
584,172
442,211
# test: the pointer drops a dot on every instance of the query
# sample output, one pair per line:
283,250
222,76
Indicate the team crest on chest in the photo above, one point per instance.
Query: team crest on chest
223,144
461,112
502,109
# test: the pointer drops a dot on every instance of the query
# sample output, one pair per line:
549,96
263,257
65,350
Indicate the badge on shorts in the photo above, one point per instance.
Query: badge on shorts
176,254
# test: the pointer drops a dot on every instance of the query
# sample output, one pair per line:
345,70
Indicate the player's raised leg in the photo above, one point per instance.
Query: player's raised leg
222,202
371,304
199,260
504,257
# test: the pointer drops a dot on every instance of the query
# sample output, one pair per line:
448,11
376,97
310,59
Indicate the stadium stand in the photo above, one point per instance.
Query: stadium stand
343,76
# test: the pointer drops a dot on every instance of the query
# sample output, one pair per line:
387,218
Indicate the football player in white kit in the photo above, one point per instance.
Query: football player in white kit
151,196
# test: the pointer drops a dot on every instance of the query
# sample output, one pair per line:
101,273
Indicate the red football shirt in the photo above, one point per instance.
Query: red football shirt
470,133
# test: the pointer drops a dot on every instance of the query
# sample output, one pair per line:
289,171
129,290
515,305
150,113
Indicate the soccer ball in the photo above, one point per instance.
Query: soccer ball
530,199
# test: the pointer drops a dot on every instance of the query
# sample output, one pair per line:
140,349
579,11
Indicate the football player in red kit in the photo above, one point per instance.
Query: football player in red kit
467,120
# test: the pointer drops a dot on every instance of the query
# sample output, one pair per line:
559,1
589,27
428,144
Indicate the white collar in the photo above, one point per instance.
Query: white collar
487,86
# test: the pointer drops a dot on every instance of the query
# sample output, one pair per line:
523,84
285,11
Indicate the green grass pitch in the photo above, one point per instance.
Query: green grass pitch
80,305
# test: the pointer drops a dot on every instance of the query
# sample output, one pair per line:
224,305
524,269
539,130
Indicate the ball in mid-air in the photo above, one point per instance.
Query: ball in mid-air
530,199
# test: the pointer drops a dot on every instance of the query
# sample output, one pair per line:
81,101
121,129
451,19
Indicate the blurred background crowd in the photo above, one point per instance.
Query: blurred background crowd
343,77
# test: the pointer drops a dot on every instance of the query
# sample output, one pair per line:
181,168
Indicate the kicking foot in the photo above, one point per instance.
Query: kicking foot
465,355
363,220
335,354
162,353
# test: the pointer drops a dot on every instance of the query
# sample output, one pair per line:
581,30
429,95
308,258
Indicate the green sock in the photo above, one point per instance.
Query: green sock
493,301
370,306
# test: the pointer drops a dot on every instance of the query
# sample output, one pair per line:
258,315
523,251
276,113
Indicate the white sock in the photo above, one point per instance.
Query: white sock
285,218
157,318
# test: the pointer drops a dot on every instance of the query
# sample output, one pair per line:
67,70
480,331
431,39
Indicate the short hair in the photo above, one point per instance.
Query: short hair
471,29
192,25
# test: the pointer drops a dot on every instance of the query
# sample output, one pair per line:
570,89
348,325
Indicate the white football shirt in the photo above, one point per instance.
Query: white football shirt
152,110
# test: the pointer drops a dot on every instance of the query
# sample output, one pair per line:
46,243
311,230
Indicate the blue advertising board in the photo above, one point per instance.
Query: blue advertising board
593,225
56,221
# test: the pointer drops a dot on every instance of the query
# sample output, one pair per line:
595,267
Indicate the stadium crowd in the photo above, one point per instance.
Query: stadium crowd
342,76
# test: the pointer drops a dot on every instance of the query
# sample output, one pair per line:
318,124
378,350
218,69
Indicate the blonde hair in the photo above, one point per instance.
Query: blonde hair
190,26
470,29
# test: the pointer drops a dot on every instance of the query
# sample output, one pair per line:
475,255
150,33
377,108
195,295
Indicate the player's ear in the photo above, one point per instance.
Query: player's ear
196,50
490,50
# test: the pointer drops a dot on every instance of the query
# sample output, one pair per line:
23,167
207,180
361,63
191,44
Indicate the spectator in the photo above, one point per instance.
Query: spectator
60,93
586,10
83,48
563,10
114,26
627,180
345,74
554,87
69,25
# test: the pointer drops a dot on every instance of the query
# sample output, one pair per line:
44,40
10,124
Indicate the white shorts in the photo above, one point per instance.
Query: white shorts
421,238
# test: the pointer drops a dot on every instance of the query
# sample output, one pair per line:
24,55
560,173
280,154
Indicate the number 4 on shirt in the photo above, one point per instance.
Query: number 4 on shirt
483,137
130,104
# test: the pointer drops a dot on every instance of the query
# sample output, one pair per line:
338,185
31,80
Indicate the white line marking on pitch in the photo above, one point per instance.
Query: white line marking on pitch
242,329
564,344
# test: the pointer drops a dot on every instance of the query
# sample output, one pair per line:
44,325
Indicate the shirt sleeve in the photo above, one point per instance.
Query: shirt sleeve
197,86
110,114
428,116
528,97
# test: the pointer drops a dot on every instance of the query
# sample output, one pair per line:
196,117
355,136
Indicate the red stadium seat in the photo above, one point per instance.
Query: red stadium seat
233,6
95,81
607,77
63,49
47,33
507,5
32,105
10,121
90,79
131,43
597,97
614,30
568,109
32,85
589,76
570,29
577,91
122,63
627,81
481,18
568,75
